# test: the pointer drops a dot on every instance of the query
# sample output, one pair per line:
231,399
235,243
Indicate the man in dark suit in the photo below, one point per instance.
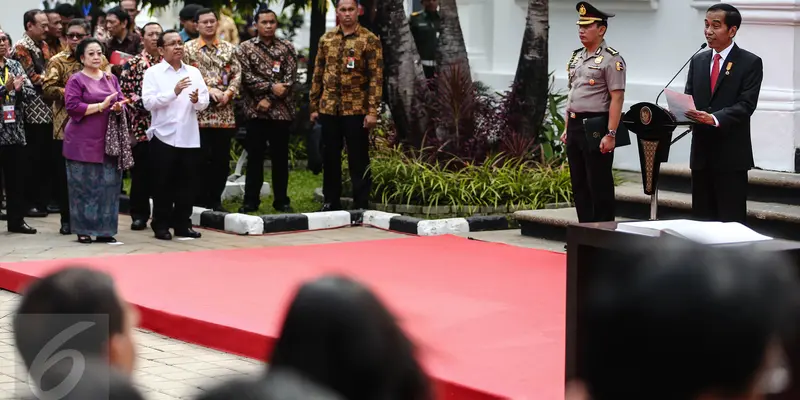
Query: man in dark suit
725,83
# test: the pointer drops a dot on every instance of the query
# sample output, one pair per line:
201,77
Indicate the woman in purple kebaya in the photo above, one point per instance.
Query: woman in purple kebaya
93,177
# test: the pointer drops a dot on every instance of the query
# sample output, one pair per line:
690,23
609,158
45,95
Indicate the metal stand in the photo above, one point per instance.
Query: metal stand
654,205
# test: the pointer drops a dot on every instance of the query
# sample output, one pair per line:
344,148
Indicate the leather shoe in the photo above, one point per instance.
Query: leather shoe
65,228
139,225
330,207
37,213
247,208
163,235
188,232
21,227
53,209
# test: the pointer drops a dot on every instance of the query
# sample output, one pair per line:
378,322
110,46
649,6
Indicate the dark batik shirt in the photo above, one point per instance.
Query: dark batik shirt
34,57
262,66
14,134
131,84
348,74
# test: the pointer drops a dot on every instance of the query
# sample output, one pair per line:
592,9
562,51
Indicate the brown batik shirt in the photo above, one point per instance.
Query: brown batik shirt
348,74
60,67
33,57
264,65
219,66
131,84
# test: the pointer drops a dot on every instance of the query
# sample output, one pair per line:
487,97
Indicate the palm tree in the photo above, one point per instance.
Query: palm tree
452,49
402,71
531,82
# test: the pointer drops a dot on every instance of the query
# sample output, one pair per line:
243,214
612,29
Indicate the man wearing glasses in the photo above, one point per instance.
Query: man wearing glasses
58,71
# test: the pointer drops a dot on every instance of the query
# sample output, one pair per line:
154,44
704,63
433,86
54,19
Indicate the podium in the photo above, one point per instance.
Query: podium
597,252
653,126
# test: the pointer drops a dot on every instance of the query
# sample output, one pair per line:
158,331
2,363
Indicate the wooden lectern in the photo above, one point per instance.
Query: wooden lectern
597,251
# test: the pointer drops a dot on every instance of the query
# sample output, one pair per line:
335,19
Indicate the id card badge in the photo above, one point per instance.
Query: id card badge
9,115
351,62
224,79
276,66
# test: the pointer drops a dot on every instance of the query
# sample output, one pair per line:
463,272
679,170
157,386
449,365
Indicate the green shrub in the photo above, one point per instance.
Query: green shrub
403,178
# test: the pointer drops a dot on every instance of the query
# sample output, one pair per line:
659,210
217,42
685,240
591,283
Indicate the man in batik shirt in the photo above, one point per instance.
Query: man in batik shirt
345,96
33,53
220,69
59,69
131,84
269,69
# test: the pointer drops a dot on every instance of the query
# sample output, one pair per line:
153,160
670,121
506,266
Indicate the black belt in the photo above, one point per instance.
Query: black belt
584,115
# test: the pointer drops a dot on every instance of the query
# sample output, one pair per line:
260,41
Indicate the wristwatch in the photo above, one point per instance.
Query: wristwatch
612,133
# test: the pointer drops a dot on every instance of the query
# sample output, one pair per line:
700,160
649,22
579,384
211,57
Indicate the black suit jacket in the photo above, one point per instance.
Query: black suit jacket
727,147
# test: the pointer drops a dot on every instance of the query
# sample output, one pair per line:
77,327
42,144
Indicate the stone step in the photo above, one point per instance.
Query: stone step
769,218
764,186
772,219
548,224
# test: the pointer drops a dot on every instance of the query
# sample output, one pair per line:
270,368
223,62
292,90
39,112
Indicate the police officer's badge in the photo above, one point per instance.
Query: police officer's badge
582,10
620,67
598,60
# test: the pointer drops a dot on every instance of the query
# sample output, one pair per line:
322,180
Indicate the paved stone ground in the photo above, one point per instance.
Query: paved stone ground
167,368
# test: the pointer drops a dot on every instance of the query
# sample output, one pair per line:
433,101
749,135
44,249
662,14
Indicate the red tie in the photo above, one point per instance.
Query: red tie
715,71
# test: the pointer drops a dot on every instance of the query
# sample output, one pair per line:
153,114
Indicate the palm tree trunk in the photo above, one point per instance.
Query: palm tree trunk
452,49
530,90
404,77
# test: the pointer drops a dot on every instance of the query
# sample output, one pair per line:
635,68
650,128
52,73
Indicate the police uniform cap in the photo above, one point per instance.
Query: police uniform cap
589,14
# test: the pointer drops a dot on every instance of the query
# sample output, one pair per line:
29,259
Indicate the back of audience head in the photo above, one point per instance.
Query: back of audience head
338,333
85,379
278,385
691,323
79,310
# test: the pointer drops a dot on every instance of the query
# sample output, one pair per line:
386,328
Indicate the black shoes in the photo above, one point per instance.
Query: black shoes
37,213
139,224
163,235
331,207
188,232
21,227
65,228
247,208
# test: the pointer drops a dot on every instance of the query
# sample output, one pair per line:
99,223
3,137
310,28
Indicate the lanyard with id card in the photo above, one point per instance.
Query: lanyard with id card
351,59
9,113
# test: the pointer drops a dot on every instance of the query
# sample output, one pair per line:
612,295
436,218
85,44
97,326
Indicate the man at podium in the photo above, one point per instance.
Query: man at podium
596,94
725,83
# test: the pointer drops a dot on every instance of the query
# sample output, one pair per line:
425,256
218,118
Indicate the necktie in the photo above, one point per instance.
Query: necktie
715,71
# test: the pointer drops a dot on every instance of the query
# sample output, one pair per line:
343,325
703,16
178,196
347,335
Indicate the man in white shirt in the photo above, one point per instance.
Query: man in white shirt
174,93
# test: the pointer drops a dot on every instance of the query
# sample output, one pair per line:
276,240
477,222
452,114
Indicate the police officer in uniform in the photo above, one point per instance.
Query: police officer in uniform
596,89
425,26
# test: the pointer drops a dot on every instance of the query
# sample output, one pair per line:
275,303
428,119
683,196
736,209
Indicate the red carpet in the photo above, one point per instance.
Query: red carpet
488,318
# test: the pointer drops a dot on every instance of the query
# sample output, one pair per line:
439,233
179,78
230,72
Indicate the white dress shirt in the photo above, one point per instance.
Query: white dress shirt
174,118
723,55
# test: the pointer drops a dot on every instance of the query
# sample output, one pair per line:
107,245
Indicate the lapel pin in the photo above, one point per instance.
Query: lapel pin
728,68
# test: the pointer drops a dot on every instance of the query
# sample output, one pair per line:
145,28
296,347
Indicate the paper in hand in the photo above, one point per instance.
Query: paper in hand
679,104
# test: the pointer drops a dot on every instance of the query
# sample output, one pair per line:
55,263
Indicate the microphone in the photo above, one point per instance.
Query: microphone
702,46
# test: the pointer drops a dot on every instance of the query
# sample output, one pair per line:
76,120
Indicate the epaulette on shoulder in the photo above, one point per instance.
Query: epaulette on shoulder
578,50
612,51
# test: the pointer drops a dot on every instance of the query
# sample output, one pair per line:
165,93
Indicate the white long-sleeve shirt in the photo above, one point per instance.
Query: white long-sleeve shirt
174,118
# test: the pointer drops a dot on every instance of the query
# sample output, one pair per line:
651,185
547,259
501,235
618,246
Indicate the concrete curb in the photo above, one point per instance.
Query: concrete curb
244,224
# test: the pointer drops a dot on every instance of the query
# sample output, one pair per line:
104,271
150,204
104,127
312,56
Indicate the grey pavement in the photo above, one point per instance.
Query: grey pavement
170,369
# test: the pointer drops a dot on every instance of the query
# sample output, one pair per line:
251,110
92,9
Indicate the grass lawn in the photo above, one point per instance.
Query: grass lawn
301,191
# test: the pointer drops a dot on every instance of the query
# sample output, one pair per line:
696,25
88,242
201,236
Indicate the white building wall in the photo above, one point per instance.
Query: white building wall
11,16
656,37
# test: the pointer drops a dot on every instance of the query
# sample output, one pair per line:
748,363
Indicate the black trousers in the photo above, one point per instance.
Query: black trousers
591,175
173,185
336,132
39,161
141,185
259,131
60,193
13,164
215,165
719,195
